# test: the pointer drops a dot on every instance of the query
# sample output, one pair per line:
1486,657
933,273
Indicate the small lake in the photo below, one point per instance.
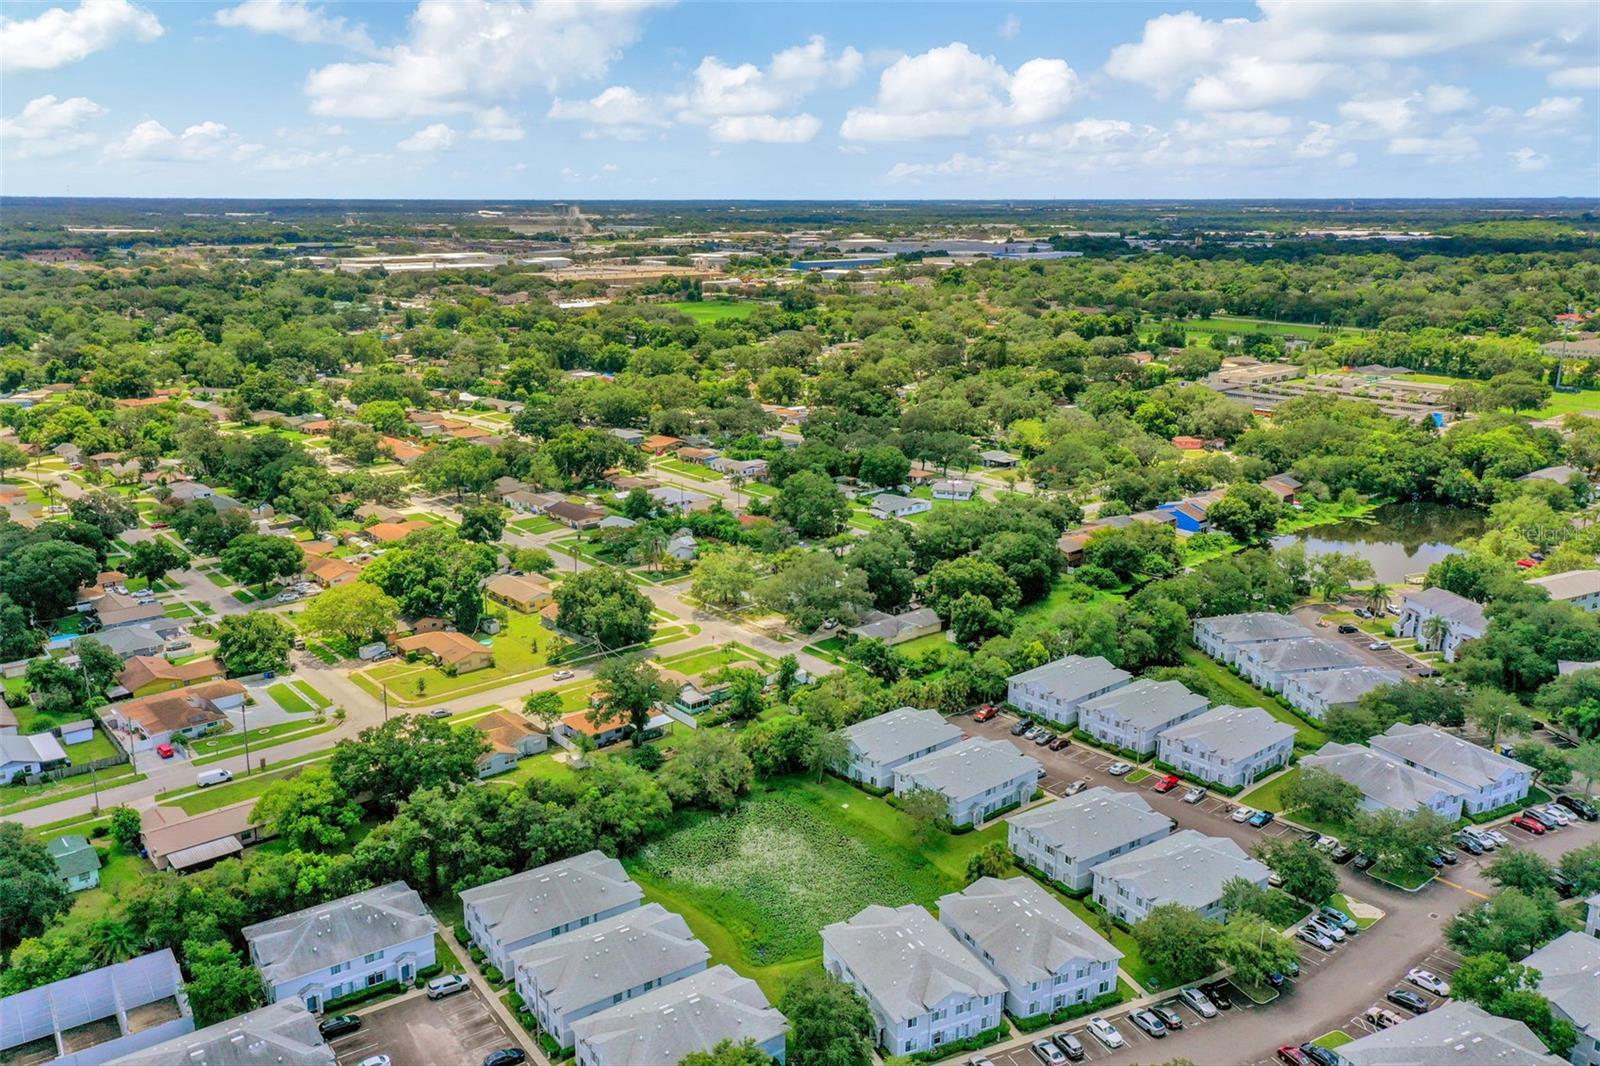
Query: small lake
1397,539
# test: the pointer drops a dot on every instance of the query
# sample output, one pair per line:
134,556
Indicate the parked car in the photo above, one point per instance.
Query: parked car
1404,997
562,675
1362,612
447,985
1381,1017
1061,743
986,712
1022,728
1341,854
1469,844
376,1060
1117,769
166,751
1346,627
1076,787
1243,814
1495,835
1327,843
338,1025
1364,862
1320,1055
1428,981
1198,1002
1582,808
1147,1021
1564,888
1530,824
1260,819
1328,929
1043,737
1046,1053
1167,784
506,1056
1315,938
980,1060
1070,1046
438,712
1168,1015
1560,814
1194,795
1311,836
1219,993
1334,914
1378,645
1106,1033
1290,1055
1275,980
1448,856
207,778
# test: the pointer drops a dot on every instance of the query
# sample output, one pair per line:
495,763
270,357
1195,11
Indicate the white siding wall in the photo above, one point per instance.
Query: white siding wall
954,1019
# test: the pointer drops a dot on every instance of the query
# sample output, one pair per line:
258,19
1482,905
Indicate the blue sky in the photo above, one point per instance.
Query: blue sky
641,99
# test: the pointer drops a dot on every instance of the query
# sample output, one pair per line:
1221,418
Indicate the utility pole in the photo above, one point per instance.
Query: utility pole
244,717
385,686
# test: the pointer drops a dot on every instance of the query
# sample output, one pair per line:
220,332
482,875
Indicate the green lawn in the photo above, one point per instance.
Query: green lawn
1341,901
535,524
1061,596
200,800
1242,693
714,310
748,884
693,471
1233,324
917,647
1561,403
1337,1038
318,700
699,662
214,749
1138,775
289,699
1269,797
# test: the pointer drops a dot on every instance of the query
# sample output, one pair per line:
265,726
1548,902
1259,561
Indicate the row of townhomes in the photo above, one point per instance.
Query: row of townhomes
1228,746
1278,654
618,982
1410,766
1000,945
909,749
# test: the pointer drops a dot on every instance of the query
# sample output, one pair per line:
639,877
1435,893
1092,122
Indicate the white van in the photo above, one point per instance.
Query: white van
213,777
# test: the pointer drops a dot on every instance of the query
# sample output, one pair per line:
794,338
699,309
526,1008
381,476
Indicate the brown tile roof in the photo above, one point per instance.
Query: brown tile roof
326,569
168,829
504,729
393,532
167,711
449,648
141,670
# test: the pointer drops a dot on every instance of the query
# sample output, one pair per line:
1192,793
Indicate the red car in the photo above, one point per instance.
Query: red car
1167,784
1527,564
1522,821
1290,1055
165,751
986,712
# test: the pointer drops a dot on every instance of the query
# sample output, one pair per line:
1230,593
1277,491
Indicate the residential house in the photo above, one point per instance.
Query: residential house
1066,839
978,778
511,738
898,628
185,843
1456,1032
77,863
1560,475
683,548
996,458
1047,957
522,592
1591,920
888,505
1225,637
1130,717
1569,968
393,532
9,724
605,732
1387,782
1227,746
1187,867
115,611
1271,665
925,988
279,1034
660,444
669,498
330,572
749,469
1284,487
127,642
379,512
94,1017
147,674
1489,781
505,916
953,489
1581,588
615,521
574,515
30,754
505,485
568,978
881,745
628,436
672,1022
1189,516
702,456
1460,620
453,651
1317,692
334,949
1056,690
525,501
694,693
405,453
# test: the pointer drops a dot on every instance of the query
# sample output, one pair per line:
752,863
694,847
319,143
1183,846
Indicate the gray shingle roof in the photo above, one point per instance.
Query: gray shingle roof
1379,779
907,961
553,895
1570,585
315,938
693,1014
1029,935
1255,625
73,855
970,767
601,960
280,1034
897,733
1074,676
1093,821
1186,867
1446,604
1456,1034
1231,732
1146,703
1312,653
1571,967
1346,685
1436,750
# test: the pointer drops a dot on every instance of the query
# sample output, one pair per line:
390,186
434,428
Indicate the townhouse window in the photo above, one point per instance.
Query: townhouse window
374,957
912,1024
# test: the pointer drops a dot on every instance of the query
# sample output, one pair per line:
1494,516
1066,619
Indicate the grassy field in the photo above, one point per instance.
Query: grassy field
1561,403
714,310
692,471
1337,1038
1341,901
1269,797
1242,693
232,744
758,885
289,699
1232,324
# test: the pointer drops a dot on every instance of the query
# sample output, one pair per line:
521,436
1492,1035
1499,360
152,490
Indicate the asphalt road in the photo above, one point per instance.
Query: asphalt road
1334,989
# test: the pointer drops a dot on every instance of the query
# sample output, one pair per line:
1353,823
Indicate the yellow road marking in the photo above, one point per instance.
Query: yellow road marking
1462,888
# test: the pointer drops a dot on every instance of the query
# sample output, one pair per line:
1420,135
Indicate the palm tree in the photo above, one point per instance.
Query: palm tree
737,481
651,546
1435,631
1377,597
112,941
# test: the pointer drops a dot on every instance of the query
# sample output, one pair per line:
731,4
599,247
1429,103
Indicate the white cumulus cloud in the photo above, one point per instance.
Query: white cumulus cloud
152,140
296,20
1575,78
1527,160
434,138
46,116
951,91
1554,110
617,105
57,37
497,124
766,129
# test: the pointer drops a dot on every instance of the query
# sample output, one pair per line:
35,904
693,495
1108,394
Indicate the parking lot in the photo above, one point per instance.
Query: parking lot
1441,961
459,1029
1136,1040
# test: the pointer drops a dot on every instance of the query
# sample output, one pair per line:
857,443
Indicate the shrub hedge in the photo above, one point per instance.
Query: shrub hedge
361,995
1035,1022
976,1042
